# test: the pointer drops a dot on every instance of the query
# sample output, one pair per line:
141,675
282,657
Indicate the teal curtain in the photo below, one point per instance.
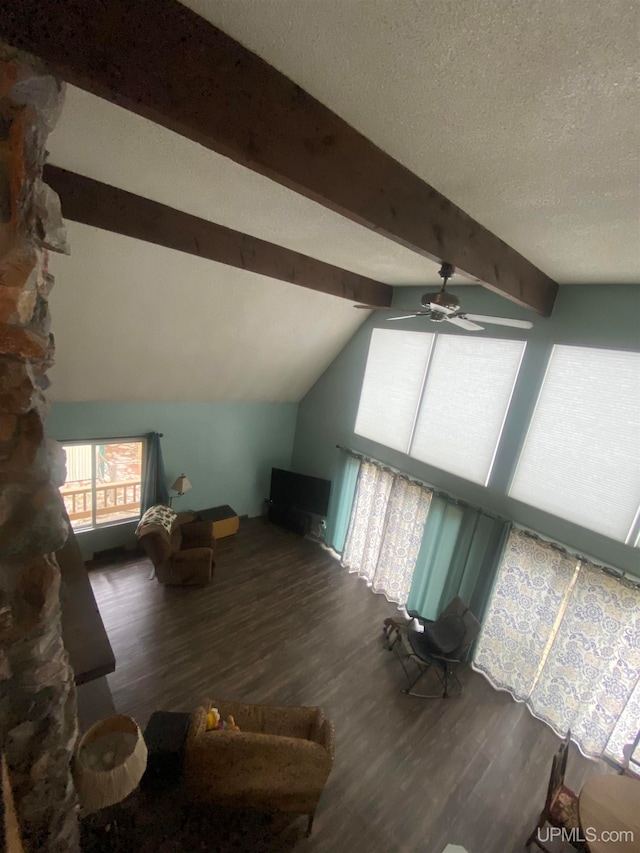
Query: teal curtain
154,484
342,493
460,554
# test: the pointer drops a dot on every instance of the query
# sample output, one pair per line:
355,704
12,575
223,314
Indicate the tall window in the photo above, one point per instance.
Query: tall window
441,399
465,402
103,482
393,383
581,456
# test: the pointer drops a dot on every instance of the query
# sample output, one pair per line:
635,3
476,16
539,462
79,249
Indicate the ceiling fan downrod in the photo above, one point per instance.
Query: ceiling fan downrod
441,303
445,272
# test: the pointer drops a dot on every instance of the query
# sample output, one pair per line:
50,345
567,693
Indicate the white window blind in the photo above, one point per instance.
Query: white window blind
581,456
465,403
392,385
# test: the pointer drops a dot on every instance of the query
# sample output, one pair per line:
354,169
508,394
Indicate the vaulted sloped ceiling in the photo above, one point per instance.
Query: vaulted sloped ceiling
193,329
135,321
523,114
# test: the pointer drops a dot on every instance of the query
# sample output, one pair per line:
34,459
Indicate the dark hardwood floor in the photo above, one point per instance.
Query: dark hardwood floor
283,623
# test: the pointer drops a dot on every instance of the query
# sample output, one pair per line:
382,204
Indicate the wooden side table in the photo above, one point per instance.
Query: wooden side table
224,519
609,808
165,737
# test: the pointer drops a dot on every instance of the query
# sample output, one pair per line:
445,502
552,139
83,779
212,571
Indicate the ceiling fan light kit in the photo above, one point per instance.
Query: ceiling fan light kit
442,306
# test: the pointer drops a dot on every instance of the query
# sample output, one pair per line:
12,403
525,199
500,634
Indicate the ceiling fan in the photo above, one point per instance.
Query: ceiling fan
442,306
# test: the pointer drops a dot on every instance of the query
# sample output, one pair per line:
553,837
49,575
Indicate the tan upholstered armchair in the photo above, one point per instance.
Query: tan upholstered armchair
279,761
180,547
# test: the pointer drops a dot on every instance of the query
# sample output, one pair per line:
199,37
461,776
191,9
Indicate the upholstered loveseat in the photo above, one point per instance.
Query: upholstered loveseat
180,547
279,761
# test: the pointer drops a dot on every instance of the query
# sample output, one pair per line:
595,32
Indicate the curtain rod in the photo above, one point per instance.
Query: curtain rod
630,580
437,492
106,440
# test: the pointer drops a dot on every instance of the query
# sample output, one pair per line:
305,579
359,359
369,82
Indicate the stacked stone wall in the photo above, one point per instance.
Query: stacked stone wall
38,724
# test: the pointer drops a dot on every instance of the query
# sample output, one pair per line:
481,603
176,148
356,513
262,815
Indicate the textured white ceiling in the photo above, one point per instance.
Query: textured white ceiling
522,112
134,321
105,142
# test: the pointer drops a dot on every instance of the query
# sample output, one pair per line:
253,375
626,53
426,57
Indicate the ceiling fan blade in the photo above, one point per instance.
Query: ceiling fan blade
442,309
404,317
463,323
500,321
394,308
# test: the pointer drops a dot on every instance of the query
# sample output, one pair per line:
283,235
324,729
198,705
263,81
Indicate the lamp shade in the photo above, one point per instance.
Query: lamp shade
181,484
110,761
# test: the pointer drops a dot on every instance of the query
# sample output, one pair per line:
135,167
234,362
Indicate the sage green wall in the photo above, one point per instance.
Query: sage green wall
592,315
226,449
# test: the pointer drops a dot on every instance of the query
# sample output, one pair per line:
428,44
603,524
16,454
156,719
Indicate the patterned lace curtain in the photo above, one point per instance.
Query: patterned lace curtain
368,520
385,530
593,666
564,636
530,589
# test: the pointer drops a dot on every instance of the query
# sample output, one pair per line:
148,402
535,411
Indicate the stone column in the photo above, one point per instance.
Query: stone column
38,725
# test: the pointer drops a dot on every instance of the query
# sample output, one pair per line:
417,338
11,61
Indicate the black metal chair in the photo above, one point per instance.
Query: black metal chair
442,645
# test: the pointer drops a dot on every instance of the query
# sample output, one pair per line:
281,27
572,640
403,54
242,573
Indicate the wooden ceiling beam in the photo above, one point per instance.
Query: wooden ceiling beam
164,62
94,203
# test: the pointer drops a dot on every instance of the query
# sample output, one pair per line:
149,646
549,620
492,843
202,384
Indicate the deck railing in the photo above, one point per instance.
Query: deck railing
117,498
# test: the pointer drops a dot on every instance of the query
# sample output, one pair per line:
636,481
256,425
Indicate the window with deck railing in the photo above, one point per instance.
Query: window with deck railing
104,480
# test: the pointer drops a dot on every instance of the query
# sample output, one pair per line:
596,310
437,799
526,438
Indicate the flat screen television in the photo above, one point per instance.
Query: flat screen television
300,492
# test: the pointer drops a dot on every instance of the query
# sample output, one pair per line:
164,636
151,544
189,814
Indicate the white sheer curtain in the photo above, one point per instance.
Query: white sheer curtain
563,636
368,520
385,530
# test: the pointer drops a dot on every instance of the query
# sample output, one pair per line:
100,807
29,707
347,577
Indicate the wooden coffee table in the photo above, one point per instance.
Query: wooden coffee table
608,806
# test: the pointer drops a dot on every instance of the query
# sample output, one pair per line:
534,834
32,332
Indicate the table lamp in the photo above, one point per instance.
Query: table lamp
110,761
180,485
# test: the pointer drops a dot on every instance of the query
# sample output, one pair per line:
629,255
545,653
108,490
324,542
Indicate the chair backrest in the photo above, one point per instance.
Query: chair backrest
631,765
471,625
472,629
445,634
558,769
455,606
458,625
